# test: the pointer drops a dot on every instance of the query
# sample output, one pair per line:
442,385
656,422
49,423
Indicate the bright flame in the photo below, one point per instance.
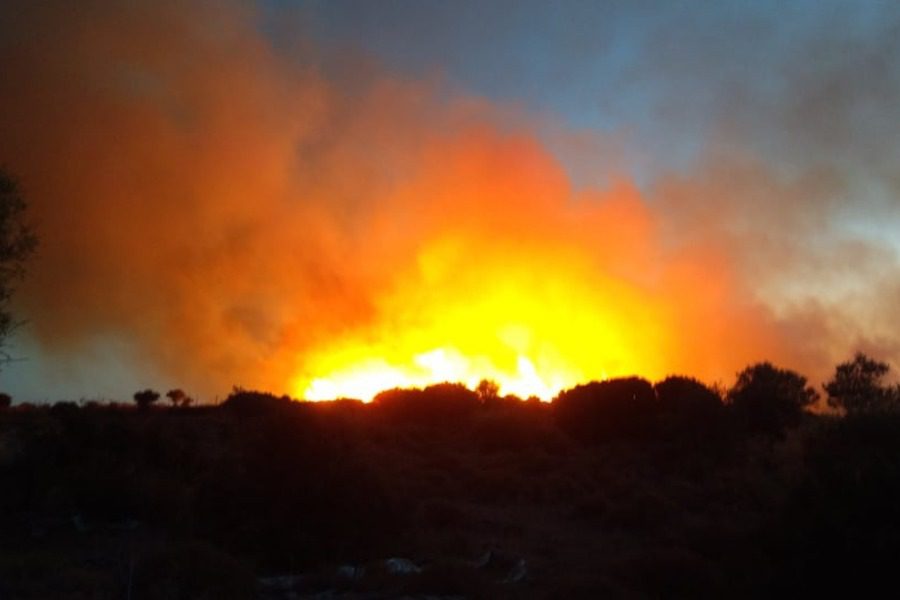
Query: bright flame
534,320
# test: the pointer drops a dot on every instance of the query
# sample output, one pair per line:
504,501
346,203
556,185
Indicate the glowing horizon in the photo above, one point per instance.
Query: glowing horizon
535,321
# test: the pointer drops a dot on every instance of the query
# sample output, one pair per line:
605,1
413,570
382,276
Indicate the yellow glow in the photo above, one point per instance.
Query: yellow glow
534,320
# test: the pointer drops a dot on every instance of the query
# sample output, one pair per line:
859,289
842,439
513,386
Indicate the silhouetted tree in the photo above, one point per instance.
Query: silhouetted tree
857,386
602,410
145,398
175,396
767,399
179,398
5,401
687,405
17,243
687,395
488,390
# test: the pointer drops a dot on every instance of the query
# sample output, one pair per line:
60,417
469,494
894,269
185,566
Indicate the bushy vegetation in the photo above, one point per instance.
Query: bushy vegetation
768,400
858,387
618,488
601,410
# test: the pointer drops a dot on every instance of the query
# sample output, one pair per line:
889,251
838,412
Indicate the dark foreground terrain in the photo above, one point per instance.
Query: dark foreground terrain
608,492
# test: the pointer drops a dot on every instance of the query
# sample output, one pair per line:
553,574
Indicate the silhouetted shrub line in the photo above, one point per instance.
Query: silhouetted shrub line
618,486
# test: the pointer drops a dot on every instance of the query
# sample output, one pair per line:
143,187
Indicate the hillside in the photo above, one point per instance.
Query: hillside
473,497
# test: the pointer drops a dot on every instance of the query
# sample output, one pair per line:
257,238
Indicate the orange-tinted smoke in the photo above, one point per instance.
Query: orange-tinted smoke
229,214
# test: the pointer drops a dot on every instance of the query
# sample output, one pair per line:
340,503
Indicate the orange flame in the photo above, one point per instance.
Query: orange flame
534,320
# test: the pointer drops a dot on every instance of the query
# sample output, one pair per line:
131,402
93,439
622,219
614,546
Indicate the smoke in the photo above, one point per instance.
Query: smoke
223,211
797,179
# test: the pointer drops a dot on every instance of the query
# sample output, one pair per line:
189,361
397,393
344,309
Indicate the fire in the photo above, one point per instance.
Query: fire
335,232
535,320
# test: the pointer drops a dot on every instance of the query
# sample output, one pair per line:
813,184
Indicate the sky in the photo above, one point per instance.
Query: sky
321,197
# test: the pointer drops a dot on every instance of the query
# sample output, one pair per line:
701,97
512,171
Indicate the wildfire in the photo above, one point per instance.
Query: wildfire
533,320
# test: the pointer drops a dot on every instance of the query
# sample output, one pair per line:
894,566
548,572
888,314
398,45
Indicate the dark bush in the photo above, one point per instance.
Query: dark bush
248,403
515,426
598,411
295,494
858,386
840,532
435,406
145,398
767,400
179,397
687,407
687,396
488,390
64,408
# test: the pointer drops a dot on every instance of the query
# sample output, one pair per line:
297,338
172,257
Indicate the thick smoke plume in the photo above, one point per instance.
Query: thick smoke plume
224,212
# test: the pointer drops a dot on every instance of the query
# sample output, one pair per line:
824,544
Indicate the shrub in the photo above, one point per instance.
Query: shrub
145,398
839,534
767,399
857,386
488,390
435,406
248,403
688,407
178,397
603,410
